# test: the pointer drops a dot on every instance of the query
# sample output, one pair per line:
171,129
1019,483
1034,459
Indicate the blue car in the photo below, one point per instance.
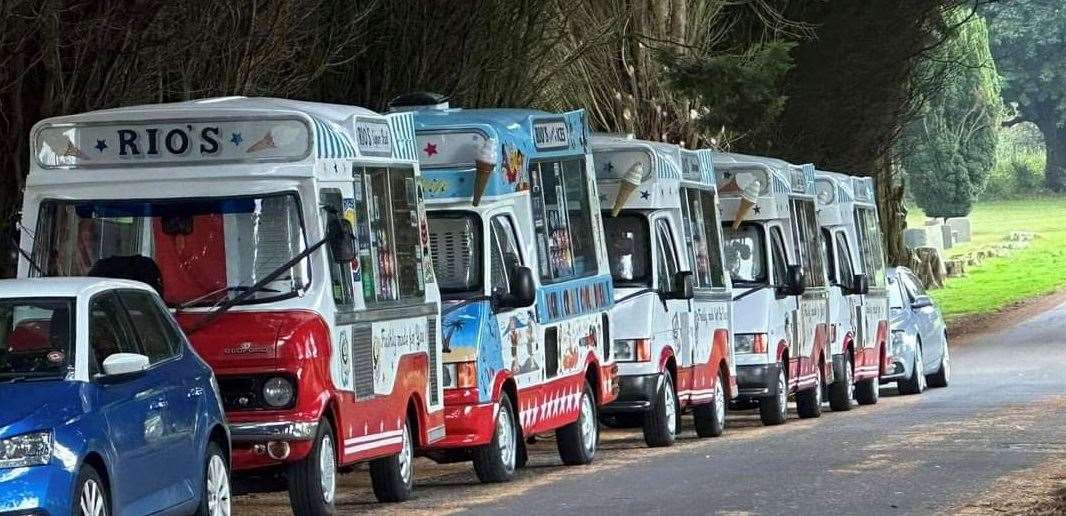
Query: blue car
918,355
104,407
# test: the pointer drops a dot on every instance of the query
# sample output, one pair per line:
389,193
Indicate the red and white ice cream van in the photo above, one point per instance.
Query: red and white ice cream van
672,314
291,240
781,302
858,299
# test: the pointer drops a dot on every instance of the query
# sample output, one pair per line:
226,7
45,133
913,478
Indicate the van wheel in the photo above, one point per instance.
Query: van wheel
710,417
215,500
90,496
773,410
393,478
915,384
660,423
842,391
809,402
941,377
313,481
496,461
577,441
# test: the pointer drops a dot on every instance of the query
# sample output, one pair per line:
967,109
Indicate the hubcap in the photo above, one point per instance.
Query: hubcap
92,499
218,494
670,407
327,469
588,424
818,392
782,393
719,401
919,369
849,378
406,456
945,364
506,437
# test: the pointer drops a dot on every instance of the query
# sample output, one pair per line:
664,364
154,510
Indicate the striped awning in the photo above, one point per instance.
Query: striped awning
331,143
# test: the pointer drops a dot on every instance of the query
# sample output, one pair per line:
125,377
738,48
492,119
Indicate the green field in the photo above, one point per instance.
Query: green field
1037,270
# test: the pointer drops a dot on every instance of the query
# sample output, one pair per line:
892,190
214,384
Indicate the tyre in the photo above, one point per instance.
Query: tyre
842,391
661,422
809,402
773,410
497,461
393,478
215,500
313,480
710,417
941,376
577,441
915,384
91,497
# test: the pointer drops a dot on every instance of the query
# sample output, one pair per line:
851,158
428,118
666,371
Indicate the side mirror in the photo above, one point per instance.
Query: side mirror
795,280
341,240
682,286
122,364
523,290
922,302
860,284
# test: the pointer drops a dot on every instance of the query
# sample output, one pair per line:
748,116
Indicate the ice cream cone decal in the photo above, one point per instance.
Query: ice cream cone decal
634,176
266,142
487,158
749,187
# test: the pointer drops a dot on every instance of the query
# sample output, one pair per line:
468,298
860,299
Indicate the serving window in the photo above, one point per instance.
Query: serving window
390,251
563,220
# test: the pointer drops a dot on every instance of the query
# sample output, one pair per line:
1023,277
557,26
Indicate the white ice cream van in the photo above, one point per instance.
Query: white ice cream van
291,240
858,300
672,317
781,299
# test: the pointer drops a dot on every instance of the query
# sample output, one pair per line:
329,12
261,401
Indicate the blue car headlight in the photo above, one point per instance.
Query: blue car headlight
26,450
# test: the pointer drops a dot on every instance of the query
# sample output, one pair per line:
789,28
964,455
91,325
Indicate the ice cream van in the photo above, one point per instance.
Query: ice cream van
672,312
781,298
290,239
858,299
518,247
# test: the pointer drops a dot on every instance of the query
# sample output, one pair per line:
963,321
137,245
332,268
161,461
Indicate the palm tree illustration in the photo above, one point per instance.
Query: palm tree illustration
450,328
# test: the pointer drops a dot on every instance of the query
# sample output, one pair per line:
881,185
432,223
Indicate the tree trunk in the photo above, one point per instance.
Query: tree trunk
1055,169
893,212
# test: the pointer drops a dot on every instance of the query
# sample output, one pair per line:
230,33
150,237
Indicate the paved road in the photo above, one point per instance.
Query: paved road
1004,414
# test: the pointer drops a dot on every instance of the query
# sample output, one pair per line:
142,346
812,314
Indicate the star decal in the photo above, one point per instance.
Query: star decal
644,194
101,145
431,149
462,180
727,175
757,209
610,166
236,139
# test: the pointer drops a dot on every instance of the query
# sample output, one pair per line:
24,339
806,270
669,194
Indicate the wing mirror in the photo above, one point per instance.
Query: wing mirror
795,281
682,286
341,240
125,364
922,302
523,290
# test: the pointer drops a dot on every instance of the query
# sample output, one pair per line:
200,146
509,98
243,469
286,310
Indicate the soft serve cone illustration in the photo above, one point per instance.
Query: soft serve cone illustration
486,160
634,176
749,187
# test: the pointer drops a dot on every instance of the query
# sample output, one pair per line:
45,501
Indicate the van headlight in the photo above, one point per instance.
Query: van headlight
278,392
26,450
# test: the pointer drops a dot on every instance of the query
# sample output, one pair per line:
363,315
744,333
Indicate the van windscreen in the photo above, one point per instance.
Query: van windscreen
628,249
745,253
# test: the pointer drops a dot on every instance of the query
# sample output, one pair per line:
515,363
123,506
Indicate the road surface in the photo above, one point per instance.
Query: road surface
1002,420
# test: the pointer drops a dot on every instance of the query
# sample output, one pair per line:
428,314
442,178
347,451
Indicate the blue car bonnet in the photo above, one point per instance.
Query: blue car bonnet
31,406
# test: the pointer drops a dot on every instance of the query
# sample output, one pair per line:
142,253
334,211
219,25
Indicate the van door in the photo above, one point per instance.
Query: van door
845,271
786,305
814,303
677,310
520,351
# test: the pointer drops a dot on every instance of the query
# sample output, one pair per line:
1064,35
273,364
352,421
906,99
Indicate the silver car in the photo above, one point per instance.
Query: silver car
918,349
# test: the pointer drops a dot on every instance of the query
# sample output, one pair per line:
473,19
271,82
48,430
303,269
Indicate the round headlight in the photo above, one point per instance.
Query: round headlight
278,392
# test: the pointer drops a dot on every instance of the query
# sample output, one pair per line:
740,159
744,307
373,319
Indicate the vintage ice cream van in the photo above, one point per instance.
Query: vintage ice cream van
291,240
517,241
781,304
858,300
672,318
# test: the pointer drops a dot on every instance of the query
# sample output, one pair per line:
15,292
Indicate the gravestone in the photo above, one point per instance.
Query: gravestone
925,236
961,226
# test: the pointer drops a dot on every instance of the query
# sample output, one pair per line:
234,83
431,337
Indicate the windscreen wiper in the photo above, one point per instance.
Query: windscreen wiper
257,286
750,291
235,288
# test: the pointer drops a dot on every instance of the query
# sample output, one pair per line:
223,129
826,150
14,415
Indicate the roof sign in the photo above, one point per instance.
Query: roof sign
118,144
373,137
551,135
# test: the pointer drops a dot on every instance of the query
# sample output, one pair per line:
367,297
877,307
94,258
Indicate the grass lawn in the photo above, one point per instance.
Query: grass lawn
1024,274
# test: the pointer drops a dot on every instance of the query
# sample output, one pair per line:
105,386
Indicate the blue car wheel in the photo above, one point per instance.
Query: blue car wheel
91,497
